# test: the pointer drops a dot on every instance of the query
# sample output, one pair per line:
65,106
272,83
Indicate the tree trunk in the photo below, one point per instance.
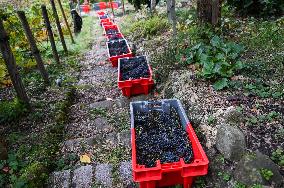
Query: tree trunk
209,11
55,15
172,15
32,42
169,10
153,5
123,8
3,150
216,12
11,65
65,20
110,2
50,33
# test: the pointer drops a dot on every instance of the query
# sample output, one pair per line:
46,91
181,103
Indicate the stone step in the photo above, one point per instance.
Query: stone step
85,145
83,177
103,175
90,176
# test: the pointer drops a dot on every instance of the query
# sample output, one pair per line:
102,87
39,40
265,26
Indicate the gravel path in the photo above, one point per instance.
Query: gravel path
98,125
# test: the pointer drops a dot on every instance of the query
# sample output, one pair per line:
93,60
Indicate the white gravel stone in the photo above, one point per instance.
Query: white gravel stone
82,177
60,179
103,174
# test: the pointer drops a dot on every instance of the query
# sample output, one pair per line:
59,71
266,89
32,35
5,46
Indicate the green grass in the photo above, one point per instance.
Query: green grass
33,151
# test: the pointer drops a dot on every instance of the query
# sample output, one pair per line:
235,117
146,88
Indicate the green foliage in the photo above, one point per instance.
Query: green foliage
137,3
256,186
66,162
258,7
164,61
98,112
13,164
225,176
278,156
263,118
11,110
239,185
266,174
149,27
218,60
199,182
211,120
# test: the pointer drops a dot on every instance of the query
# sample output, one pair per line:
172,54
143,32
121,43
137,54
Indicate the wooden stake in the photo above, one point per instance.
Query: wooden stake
65,20
50,33
32,42
123,8
110,1
10,62
58,26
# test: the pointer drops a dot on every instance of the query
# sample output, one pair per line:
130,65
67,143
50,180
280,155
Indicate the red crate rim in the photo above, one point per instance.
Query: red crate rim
139,80
118,56
114,26
198,167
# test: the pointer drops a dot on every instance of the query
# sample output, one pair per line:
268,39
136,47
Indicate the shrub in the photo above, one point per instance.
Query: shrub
11,110
216,61
138,3
258,7
149,27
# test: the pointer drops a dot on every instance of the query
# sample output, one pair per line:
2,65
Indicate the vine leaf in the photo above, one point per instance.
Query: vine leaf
221,84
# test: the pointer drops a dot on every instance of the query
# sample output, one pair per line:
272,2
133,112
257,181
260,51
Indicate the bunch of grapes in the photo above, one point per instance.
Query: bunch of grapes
134,68
118,47
111,31
104,17
114,37
160,136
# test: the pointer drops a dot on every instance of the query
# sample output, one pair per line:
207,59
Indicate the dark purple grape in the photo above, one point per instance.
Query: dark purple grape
160,136
134,68
111,31
118,47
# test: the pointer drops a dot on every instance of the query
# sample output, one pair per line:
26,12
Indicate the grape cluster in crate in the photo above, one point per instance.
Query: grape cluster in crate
134,73
165,149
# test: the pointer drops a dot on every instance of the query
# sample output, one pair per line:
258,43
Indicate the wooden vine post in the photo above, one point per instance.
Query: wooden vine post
50,33
123,8
172,15
32,42
110,2
55,15
65,20
10,62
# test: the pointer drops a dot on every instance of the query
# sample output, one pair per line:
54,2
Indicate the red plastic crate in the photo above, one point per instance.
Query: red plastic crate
118,35
114,59
114,26
85,8
102,5
107,23
104,18
114,5
136,86
101,13
169,174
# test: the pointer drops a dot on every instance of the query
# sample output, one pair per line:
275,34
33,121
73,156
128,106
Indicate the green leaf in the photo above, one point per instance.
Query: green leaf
203,58
215,41
196,47
207,69
238,65
220,56
221,84
2,71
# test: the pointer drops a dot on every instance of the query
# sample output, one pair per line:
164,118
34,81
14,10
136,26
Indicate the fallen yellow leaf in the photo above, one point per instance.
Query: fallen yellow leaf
85,159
